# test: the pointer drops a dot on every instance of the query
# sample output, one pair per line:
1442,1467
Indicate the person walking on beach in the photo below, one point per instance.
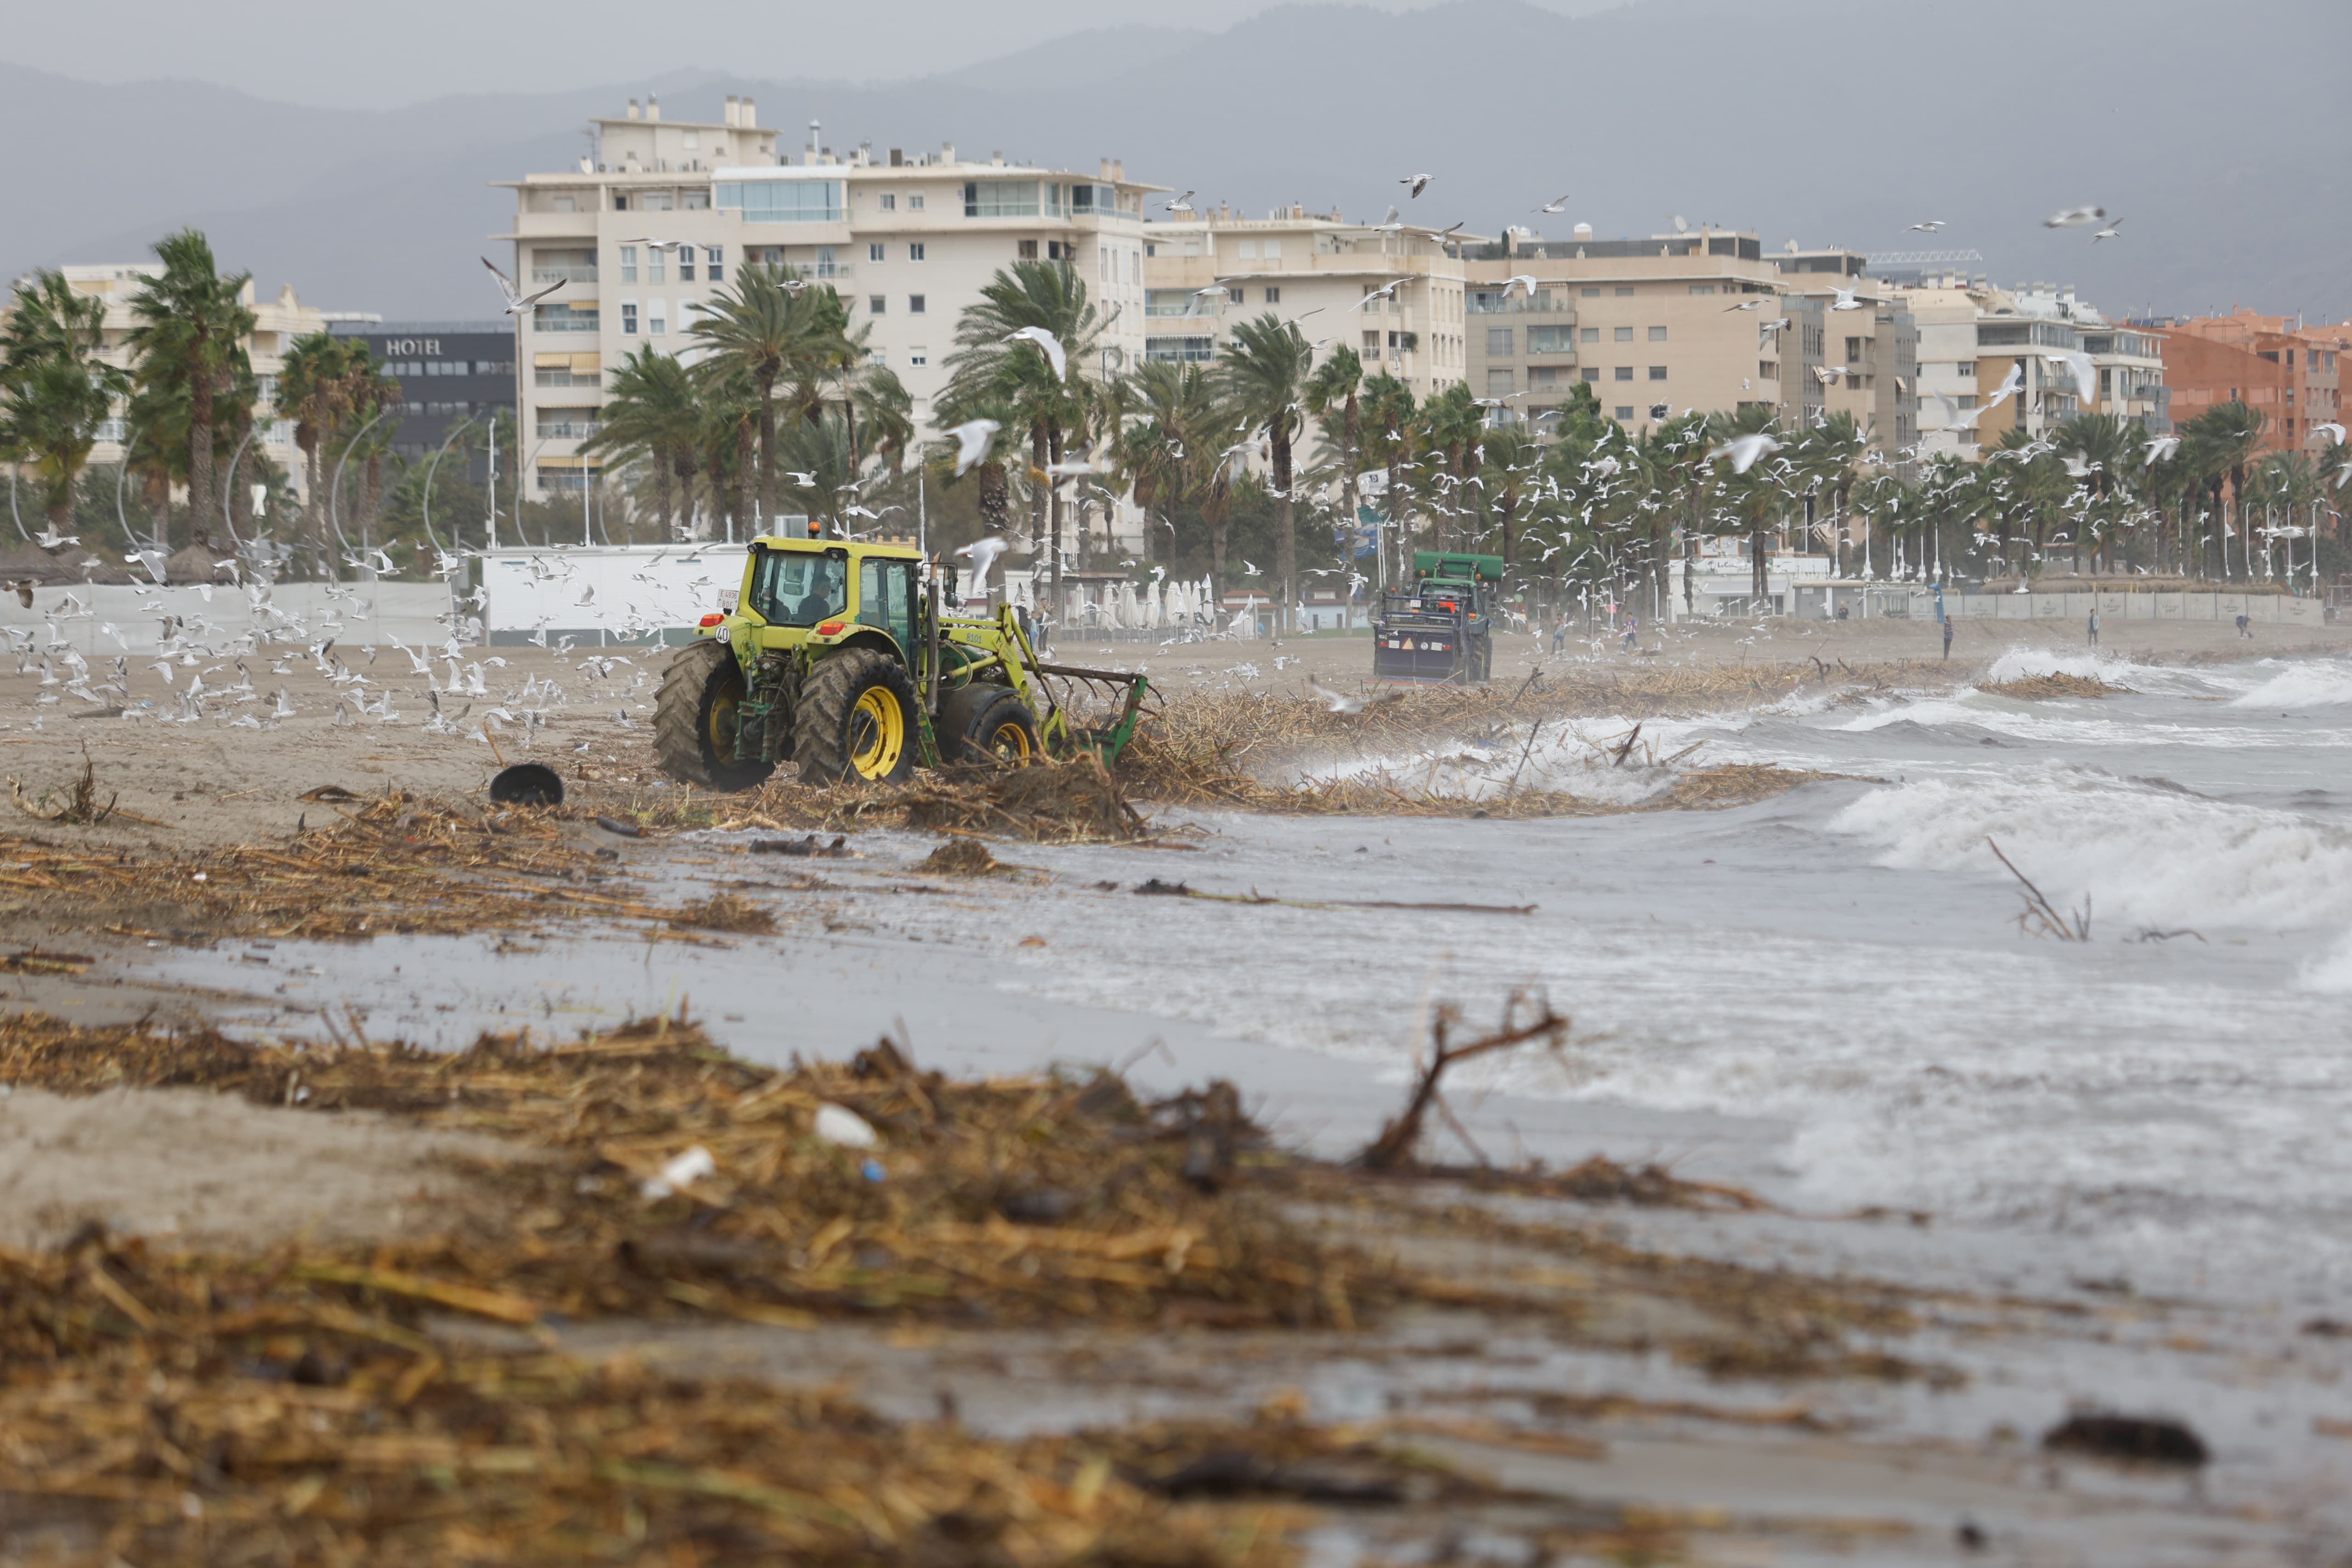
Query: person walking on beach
1948,637
2245,626
1633,632
1559,636
2094,628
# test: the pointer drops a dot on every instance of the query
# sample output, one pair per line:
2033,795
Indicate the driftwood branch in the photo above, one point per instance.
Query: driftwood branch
1394,1148
2041,917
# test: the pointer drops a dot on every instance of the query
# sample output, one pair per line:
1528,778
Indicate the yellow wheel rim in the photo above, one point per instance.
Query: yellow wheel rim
720,722
877,733
1010,743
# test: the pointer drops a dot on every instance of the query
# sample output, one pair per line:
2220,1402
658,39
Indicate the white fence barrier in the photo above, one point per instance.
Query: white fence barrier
597,596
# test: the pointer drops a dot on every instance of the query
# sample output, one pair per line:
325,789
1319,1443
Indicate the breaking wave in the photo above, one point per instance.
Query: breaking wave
2320,683
2139,851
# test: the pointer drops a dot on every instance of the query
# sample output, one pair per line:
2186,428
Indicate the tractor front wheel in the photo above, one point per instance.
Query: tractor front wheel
987,723
695,717
856,719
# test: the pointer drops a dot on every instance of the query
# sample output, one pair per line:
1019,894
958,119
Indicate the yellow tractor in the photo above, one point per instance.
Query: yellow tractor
836,658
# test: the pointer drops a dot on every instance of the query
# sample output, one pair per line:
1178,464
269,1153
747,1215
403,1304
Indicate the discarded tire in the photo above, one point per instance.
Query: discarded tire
527,783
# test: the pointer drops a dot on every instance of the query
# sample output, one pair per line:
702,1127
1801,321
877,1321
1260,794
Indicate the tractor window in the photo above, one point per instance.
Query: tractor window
798,588
885,597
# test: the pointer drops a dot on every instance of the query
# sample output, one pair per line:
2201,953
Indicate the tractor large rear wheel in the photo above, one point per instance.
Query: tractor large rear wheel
856,721
694,718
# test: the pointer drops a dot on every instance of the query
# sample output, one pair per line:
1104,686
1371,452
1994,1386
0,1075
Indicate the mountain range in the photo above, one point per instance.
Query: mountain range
2221,137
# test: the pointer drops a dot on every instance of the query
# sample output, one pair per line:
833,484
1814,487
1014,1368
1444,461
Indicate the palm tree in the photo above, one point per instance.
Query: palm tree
192,325
989,366
1388,414
1331,396
1826,456
1262,380
1166,456
314,385
2110,447
763,332
55,390
2227,436
651,414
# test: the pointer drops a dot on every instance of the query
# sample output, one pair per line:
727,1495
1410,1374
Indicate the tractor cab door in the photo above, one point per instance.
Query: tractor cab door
885,601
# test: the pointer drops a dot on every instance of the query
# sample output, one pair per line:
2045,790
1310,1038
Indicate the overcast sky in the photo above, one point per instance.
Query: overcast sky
382,56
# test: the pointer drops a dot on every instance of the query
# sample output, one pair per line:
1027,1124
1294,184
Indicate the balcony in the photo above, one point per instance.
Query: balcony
564,275
1518,303
564,318
568,429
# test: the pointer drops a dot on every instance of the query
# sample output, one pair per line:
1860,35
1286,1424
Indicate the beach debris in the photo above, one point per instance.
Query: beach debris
2153,1438
837,1124
527,783
960,857
1154,887
79,808
1399,1138
680,1170
809,847
2041,917
329,795
619,829
725,911
2043,687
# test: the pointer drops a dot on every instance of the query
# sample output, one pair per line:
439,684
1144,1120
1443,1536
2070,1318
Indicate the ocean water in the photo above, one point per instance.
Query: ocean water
2168,1101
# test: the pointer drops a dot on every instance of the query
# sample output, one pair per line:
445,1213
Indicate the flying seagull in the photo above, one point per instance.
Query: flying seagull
1520,281
1182,203
1418,183
1048,344
1754,302
2160,449
1930,226
2076,217
517,303
983,551
971,442
2108,232
1554,207
1743,450
1384,291
1846,300
2333,431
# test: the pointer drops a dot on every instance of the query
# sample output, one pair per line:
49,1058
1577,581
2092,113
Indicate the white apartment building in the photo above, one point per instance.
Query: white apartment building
1973,334
278,322
652,223
1203,273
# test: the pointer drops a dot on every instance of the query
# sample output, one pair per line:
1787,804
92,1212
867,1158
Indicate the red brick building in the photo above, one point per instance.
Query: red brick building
2286,372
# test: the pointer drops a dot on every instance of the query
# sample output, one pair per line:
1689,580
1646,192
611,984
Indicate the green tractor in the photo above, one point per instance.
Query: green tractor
1440,631
834,659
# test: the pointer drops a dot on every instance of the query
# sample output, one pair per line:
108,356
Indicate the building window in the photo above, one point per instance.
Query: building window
1624,334
713,258
1236,295
1274,250
655,261
1274,296
1624,373
564,318
1550,339
1591,373
914,204
1371,345
1589,334
1625,411
1249,250
1498,339
1658,373
1624,292
889,202
1500,382
686,263
1657,334
1543,377
1590,293
1179,351
918,357
874,250
914,304
915,251
782,201
1702,288
876,304
999,199
628,318
628,264
1025,249
656,322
